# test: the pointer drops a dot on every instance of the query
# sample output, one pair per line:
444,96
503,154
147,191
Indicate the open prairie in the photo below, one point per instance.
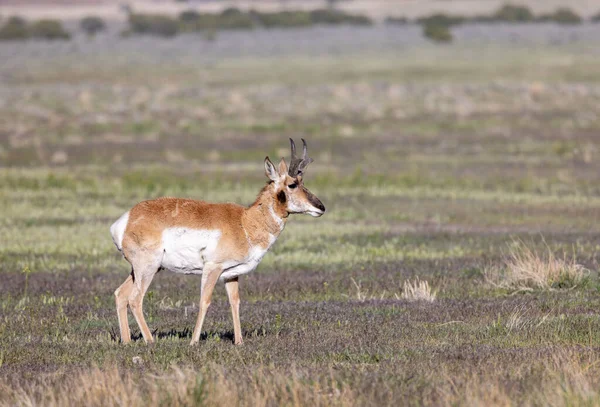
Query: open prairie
462,165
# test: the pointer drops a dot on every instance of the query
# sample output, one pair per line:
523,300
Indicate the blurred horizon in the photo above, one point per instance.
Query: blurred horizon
376,9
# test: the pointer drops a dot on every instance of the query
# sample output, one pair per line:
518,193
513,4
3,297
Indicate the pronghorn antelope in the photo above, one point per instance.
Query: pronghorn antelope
220,241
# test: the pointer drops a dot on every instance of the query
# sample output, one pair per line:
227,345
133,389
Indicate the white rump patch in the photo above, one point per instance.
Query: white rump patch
186,250
117,230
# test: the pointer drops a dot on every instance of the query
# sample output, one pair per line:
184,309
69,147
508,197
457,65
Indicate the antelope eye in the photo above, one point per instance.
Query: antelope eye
292,186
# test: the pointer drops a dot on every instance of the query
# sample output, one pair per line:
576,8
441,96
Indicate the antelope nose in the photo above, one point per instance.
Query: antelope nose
320,206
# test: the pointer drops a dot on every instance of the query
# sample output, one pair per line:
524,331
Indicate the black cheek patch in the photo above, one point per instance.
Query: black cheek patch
281,197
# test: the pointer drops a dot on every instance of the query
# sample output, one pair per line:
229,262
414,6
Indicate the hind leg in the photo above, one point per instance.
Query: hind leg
143,273
122,299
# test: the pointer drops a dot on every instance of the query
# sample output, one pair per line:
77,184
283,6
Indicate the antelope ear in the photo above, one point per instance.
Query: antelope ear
283,168
270,170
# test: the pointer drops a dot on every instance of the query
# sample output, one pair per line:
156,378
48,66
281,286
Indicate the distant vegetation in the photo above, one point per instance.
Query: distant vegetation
328,16
513,14
397,20
441,19
562,16
236,19
48,30
154,24
16,28
437,32
436,27
92,25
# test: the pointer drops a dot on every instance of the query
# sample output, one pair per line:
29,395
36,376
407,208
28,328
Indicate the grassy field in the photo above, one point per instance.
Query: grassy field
433,162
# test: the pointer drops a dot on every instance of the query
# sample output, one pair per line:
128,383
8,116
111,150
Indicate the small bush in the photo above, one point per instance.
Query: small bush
202,23
437,32
17,21
153,24
49,30
397,20
189,16
330,16
513,14
15,28
418,290
562,16
234,19
441,19
231,11
283,19
596,18
525,269
354,19
92,25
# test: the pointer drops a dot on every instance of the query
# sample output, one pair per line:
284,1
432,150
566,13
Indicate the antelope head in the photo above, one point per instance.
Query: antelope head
288,184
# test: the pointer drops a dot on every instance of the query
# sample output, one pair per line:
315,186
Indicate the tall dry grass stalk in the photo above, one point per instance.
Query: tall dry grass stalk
526,269
564,378
418,290
180,387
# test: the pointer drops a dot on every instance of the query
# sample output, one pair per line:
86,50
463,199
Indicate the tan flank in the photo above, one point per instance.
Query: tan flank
220,241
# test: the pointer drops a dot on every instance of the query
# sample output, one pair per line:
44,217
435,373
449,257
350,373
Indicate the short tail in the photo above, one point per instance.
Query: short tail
117,230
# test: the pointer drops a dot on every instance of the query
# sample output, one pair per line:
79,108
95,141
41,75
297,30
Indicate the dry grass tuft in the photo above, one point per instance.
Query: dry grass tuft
418,290
565,378
180,387
525,269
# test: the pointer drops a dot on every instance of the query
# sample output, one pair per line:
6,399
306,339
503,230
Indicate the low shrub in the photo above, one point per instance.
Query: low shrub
562,16
596,18
189,16
512,14
441,20
153,24
283,19
15,28
235,19
48,29
92,25
202,23
397,20
331,16
437,33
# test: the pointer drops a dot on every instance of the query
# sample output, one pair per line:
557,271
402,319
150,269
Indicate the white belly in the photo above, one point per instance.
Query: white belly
186,250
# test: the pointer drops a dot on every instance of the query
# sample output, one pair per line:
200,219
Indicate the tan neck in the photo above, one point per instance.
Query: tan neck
265,219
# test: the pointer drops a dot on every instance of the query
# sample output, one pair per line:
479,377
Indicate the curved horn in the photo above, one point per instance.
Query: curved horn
293,145
304,152
297,165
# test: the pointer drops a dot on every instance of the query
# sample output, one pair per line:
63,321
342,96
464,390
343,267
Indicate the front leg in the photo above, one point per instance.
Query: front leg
233,294
210,275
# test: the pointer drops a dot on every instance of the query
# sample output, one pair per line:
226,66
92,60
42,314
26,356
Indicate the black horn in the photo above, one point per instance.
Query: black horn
297,165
